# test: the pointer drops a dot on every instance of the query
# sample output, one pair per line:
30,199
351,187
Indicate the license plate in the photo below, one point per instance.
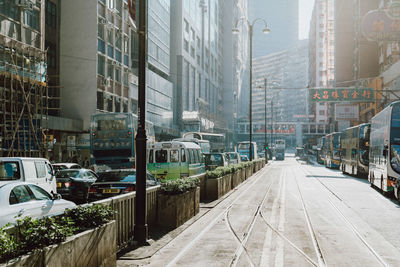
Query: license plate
110,191
59,184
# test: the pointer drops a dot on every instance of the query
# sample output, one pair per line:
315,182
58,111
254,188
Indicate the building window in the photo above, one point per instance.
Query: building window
100,100
31,18
110,70
51,14
101,46
322,112
110,103
117,104
118,74
193,34
100,65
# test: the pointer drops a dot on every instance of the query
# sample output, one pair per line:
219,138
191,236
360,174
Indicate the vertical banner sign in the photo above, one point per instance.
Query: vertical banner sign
341,95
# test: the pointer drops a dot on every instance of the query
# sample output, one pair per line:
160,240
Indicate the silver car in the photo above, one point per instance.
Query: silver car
20,199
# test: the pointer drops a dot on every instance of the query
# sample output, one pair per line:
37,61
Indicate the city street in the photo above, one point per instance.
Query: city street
287,214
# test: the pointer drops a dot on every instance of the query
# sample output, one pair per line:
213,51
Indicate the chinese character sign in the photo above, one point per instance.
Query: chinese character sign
341,94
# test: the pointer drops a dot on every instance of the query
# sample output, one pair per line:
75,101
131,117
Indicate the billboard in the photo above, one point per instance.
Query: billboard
341,94
346,112
382,24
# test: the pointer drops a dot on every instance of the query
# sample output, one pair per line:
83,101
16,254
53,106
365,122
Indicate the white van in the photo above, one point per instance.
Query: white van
34,170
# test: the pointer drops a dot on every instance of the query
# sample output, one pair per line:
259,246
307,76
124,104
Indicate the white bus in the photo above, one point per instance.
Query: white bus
384,151
217,141
280,146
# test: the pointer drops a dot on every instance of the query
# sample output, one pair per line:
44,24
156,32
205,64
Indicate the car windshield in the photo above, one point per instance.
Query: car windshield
67,174
232,156
117,176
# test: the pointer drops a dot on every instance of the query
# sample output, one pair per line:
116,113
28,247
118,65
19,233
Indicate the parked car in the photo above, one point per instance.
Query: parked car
73,184
234,157
34,170
63,166
115,182
214,160
20,199
244,158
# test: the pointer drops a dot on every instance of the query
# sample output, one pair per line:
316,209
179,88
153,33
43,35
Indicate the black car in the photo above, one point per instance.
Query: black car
73,184
116,182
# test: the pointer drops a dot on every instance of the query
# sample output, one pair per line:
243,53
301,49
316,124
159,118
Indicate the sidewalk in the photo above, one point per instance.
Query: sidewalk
159,238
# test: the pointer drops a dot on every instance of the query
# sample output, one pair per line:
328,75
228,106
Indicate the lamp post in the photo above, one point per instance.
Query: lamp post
141,228
265,121
236,30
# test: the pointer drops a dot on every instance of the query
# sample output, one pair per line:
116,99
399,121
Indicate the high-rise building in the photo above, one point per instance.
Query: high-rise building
235,55
99,37
196,67
284,77
322,53
24,104
283,20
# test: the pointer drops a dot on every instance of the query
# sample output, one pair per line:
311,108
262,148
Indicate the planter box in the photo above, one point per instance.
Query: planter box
95,247
236,179
202,186
175,210
242,175
217,187
249,172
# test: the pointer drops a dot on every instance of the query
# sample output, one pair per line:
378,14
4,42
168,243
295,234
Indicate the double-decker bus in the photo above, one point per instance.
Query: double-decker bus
112,139
321,150
173,160
332,157
217,141
243,148
384,151
354,146
204,144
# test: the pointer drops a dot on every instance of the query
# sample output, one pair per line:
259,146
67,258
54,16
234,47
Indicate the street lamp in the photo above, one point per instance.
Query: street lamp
250,28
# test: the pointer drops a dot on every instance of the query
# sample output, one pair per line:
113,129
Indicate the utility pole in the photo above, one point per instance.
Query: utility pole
141,228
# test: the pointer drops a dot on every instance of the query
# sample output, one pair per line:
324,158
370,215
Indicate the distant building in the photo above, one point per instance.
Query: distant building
283,20
285,76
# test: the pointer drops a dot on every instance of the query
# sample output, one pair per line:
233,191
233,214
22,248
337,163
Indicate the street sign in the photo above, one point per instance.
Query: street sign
341,94
382,24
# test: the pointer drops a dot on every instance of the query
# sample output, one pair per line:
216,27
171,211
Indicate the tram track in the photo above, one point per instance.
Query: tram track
344,218
224,213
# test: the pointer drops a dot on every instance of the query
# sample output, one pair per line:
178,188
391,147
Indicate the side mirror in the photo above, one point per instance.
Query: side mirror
55,196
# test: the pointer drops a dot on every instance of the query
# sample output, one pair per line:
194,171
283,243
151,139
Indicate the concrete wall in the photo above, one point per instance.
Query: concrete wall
78,59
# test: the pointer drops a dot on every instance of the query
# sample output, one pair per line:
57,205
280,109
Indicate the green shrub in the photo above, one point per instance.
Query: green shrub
90,216
179,186
34,234
8,246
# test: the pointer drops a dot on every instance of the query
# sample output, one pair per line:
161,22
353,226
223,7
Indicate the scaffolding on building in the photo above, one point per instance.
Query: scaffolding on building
23,99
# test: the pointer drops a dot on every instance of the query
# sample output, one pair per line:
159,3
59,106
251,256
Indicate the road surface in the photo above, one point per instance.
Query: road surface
287,214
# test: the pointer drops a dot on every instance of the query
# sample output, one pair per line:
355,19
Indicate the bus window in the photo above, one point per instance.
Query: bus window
151,156
174,155
183,155
161,156
196,156
191,156
201,155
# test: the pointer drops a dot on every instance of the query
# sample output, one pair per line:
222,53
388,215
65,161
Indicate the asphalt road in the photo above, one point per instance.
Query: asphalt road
287,214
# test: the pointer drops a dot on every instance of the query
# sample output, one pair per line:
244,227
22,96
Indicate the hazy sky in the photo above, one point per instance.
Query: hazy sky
305,11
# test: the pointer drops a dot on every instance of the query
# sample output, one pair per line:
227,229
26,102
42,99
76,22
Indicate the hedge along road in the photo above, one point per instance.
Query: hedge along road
285,215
